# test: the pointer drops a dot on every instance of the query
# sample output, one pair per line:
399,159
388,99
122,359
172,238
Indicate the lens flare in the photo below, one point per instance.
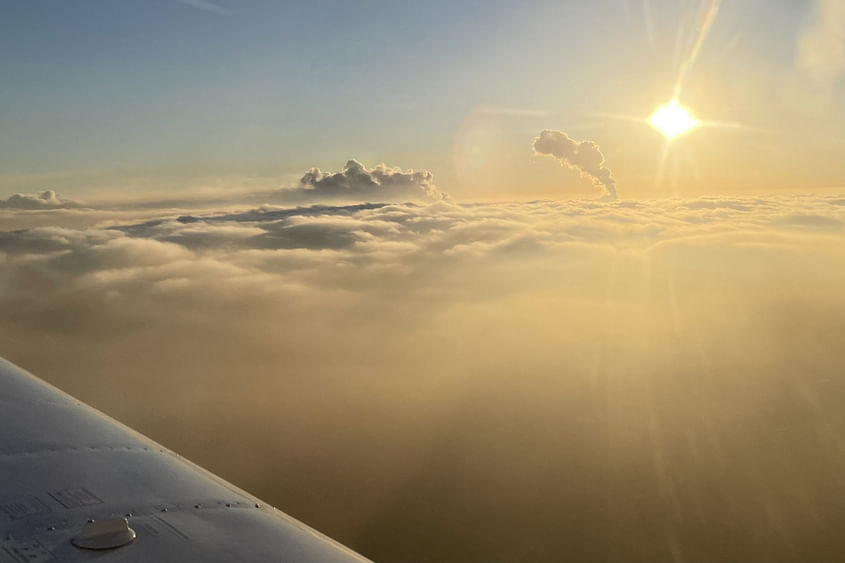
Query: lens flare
672,119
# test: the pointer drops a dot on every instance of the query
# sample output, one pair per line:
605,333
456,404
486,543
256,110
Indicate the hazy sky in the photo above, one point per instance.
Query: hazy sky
423,275
103,97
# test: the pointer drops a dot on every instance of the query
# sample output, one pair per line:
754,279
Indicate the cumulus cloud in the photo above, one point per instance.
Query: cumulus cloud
354,183
583,156
357,182
467,354
44,200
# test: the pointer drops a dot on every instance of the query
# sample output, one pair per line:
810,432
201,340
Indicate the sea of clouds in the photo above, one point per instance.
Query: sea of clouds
430,379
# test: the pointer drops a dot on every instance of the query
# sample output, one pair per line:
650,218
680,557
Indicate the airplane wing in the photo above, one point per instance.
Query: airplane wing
76,485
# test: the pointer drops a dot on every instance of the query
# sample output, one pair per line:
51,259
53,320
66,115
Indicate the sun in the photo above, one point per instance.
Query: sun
672,119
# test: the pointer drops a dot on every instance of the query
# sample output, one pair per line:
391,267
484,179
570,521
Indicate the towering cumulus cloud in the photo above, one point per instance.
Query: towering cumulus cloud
356,181
584,156
45,200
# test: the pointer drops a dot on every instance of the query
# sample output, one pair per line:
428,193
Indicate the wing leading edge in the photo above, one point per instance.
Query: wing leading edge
64,464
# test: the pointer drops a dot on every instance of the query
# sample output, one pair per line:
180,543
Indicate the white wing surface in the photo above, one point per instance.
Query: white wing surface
75,485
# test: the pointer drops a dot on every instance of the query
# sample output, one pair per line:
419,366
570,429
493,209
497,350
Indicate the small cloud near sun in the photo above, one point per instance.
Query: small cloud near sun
584,156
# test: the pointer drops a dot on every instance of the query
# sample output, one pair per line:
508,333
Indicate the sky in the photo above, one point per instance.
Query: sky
424,275
103,98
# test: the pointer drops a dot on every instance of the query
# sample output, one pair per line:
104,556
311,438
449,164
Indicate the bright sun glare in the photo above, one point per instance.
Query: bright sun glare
672,119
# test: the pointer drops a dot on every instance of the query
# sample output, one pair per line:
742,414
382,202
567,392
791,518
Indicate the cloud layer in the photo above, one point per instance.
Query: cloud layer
617,380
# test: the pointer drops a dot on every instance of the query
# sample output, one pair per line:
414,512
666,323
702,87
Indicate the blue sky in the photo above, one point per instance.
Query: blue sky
98,94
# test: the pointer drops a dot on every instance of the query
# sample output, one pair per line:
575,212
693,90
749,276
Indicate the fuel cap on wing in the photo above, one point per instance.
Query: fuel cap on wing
105,534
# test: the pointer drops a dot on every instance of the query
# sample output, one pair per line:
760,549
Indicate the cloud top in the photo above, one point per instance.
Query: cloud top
44,200
361,233
357,182
651,340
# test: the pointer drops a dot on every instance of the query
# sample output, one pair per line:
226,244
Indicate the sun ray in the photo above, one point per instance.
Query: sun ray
707,18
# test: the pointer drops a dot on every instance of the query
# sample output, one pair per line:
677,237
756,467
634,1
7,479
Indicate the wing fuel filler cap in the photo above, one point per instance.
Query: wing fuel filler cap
105,534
